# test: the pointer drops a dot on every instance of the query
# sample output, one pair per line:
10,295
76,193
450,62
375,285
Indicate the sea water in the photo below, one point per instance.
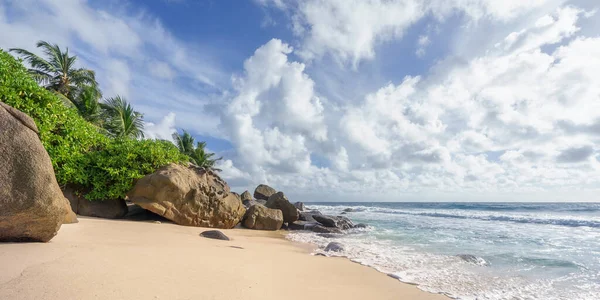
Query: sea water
476,250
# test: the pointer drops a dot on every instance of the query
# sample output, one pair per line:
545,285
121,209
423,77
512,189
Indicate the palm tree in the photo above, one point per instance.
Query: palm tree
204,159
58,72
88,106
198,154
184,142
121,119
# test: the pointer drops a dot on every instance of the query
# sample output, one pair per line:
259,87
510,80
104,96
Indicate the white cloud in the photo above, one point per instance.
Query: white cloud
161,70
275,112
422,44
349,30
132,53
163,130
518,119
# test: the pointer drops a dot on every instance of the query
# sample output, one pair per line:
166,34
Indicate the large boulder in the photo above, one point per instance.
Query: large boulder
262,218
32,207
190,196
246,196
106,209
339,222
280,201
301,225
308,215
263,192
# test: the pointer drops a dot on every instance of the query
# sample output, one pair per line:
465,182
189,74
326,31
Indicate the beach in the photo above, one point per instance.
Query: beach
122,259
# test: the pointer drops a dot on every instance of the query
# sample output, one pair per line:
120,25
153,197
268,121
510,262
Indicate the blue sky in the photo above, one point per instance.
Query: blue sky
362,100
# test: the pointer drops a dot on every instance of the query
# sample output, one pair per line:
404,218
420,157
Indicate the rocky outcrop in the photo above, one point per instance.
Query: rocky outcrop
334,247
301,225
323,229
107,209
308,215
32,207
214,234
263,192
246,196
280,201
262,218
339,222
300,206
188,196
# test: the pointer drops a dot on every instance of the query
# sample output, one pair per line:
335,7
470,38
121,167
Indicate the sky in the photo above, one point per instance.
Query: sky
354,100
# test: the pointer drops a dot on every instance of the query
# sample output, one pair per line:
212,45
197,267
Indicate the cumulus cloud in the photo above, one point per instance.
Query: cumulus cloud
511,119
275,113
162,130
349,30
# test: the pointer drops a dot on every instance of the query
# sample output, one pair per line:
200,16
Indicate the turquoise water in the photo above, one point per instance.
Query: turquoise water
518,250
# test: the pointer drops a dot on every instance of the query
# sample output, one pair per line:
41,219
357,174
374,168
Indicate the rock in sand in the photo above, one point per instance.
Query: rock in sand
214,234
262,218
280,201
190,196
32,207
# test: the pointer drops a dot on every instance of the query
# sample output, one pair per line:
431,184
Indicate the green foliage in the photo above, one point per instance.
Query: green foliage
81,154
112,170
121,119
57,72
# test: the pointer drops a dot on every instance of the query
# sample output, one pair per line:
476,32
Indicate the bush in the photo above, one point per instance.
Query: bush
81,154
112,170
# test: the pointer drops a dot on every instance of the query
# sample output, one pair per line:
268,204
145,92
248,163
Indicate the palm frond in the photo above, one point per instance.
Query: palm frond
122,119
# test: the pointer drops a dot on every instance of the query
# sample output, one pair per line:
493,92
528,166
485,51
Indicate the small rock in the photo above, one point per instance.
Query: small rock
156,222
334,247
263,192
361,225
476,260
214,234
349,210
246,196
300,206
343,213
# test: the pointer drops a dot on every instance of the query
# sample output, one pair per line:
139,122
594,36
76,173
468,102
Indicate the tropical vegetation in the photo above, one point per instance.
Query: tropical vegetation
96,146
198,154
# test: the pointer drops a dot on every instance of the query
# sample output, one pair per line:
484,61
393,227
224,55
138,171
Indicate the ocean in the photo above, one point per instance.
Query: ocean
476,250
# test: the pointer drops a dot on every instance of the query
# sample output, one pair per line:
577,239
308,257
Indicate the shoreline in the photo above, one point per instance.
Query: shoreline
123,259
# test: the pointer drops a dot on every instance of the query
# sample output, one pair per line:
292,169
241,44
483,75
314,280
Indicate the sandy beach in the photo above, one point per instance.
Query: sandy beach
108,259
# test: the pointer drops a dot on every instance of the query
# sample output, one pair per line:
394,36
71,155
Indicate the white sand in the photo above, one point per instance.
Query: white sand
106,259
